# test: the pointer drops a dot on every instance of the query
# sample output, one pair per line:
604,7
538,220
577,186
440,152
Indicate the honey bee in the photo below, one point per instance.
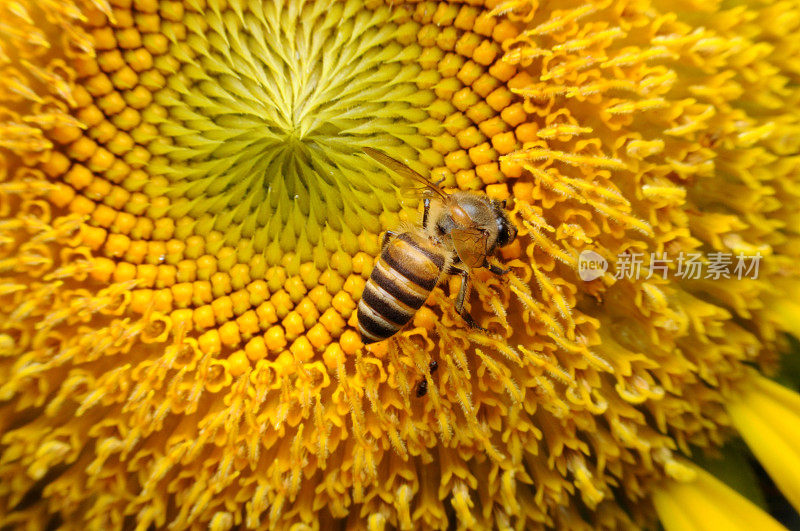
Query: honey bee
458,232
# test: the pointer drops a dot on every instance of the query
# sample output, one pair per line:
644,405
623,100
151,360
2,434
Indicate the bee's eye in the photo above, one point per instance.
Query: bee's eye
503,203
507,232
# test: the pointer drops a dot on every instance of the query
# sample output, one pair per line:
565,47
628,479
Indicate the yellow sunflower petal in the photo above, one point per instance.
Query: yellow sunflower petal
705,503
767,415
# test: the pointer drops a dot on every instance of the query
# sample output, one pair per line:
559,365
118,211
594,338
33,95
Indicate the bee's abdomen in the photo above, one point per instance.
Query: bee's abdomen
408,269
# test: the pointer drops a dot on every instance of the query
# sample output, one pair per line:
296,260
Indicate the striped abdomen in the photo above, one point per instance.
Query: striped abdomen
405,274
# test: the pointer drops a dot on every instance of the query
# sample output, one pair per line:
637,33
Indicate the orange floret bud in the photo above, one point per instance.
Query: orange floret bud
229,333
275,338
333,356
204,317
319,336
238,363
256,349
350,342
209,342
302,349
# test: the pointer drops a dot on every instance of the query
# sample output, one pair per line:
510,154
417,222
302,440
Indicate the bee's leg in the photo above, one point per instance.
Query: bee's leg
494,269
386,236
426,204
462,294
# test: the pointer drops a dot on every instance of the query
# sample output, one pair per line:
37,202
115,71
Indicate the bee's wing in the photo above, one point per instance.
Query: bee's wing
471,245
401,169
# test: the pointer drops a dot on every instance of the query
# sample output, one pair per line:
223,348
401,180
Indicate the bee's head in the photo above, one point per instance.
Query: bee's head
506,231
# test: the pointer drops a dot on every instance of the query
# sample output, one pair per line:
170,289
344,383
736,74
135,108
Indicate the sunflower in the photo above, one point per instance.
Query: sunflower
187,221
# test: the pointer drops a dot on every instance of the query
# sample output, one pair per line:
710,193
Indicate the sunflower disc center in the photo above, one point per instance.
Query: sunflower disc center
267,112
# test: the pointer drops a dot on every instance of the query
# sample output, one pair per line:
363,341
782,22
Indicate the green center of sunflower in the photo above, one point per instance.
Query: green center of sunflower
266,110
